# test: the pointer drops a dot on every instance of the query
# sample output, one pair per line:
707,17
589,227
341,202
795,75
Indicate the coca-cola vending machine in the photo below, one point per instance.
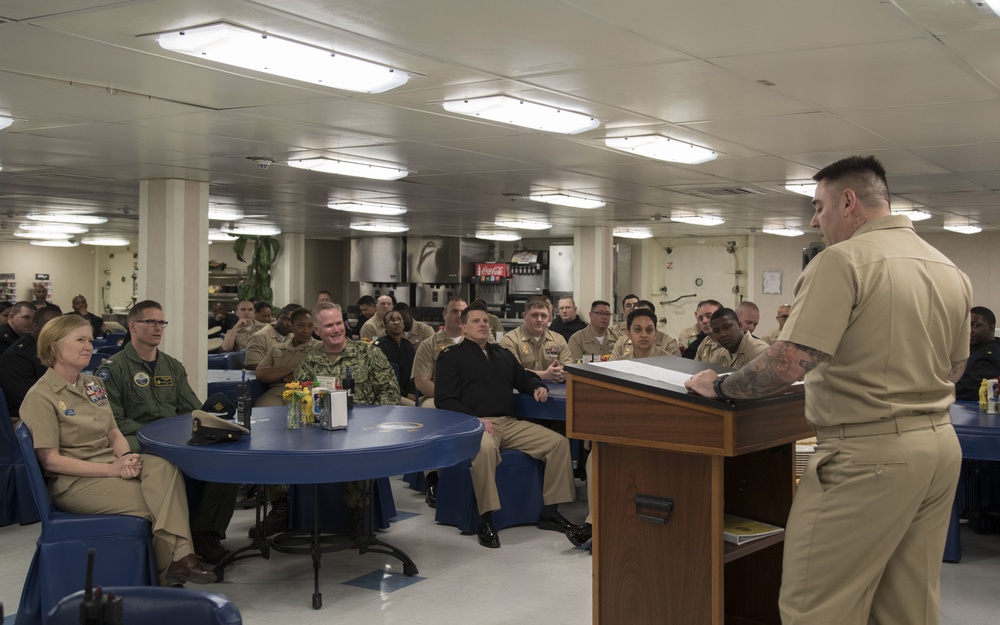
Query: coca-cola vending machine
490,284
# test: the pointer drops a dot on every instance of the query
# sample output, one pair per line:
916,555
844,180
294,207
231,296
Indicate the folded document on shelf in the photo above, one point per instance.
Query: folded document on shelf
739,530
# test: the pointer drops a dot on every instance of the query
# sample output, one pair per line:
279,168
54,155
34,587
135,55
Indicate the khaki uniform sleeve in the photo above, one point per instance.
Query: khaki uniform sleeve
509,342
38,414
825,295
256,349
423,361
575,345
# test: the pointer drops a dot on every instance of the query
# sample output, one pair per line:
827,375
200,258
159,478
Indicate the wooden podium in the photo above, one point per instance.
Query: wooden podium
667,465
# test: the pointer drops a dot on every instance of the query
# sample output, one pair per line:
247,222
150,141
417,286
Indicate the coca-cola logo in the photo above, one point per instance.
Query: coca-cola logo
493,270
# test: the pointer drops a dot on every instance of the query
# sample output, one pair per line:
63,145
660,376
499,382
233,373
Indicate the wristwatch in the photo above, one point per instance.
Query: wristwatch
717,387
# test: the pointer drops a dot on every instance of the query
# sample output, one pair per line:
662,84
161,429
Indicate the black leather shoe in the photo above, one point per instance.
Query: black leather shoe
488,536
208,548
580,536
188,569
431,496
275,522
557,523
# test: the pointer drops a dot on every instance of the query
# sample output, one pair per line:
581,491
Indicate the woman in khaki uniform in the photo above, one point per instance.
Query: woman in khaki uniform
87,459
641,332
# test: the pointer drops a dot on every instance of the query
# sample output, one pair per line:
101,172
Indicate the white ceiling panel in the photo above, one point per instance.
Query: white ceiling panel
789,134
933,125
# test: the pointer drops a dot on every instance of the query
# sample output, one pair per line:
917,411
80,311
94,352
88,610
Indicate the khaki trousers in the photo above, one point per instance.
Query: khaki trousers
867,529
157,495
536,441
271,397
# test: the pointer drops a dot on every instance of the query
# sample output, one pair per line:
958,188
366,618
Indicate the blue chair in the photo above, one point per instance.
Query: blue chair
16,504
123,544
99,342
235,360
95,361
113,338
109,350
218,361
519,483
156,606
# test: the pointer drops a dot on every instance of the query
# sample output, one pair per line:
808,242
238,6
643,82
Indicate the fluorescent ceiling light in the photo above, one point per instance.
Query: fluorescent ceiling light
662,148
67,228
566,200
108,241
42,235
5,121
784,232
91,220
253,231
498,236
807,189
348,168
368,209
262,52
632,233
967,229
993,4
699,220
518,112
379,227
523,224
224,213
55,243
913,214
219,235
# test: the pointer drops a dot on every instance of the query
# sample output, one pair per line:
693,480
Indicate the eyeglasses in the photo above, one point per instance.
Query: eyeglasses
397,320
600,313
783,317
152,323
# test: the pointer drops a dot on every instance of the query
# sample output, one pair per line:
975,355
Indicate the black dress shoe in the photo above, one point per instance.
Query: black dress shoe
557,523
208,548
431,496
488,536
188,569
580,536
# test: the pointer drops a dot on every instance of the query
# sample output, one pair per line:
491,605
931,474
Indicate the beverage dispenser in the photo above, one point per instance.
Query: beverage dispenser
529,271
490,284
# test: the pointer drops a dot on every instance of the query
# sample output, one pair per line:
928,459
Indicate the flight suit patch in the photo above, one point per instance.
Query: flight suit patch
141,379
103,373
163,380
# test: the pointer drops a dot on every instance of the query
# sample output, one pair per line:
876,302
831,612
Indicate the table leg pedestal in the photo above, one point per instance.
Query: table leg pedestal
259,547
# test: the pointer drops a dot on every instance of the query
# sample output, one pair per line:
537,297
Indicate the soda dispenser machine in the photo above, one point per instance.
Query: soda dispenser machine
490,285
529,275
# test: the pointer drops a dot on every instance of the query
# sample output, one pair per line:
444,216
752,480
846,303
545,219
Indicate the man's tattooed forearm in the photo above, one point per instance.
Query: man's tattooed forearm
774,370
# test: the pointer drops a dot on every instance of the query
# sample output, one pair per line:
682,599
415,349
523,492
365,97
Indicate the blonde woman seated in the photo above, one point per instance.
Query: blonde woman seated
641,331
87,461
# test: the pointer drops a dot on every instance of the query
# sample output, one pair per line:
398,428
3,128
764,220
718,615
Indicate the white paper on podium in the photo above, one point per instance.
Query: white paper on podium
640,369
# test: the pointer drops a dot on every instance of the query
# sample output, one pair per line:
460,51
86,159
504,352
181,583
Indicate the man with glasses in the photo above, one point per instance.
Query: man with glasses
144,384
597,339
783,311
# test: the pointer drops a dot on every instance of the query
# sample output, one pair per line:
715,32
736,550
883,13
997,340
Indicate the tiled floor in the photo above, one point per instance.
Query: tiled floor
535,578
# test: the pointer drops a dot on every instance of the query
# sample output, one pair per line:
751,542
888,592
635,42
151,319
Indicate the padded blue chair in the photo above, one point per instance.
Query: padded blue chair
156,606
16,503
519,483
109,350
218,361
95,361
123,544
236,360
113,338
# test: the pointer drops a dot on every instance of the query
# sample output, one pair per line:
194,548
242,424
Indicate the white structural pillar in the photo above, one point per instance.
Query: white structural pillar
173,268
593,267
288,279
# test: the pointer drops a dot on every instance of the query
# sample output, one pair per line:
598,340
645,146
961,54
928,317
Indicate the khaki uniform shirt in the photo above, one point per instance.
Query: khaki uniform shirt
140,395
374,379
288,355
262,342
495,325
419,333
243,335
73,418
749,348
892,313
536,356
707,350
627,353
373,329
772,337
585,343
663,341
687,336
425,360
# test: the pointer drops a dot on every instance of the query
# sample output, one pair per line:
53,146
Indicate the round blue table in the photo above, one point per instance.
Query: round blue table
380,441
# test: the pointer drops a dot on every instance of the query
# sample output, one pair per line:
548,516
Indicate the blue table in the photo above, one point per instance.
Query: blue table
380,441
979,435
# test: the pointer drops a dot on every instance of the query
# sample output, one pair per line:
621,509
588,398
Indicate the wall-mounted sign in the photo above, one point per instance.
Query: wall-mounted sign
41,276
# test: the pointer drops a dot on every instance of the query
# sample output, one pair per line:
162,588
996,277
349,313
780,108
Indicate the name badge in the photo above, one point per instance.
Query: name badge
163,380
552,351
69,412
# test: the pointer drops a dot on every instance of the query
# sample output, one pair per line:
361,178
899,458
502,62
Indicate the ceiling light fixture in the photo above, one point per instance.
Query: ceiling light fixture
662,149
807,189
966,229
992,4
784,232
348,168
106,241
263,52
632,233
90,220
42,235
252,230
523,224
5,121
518,112
224,213
219,235
369,209
379,227
52,227
566,200
498,236
699,220
55,243
913,214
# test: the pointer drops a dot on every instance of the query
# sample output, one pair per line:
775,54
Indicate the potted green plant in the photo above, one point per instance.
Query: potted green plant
256,285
